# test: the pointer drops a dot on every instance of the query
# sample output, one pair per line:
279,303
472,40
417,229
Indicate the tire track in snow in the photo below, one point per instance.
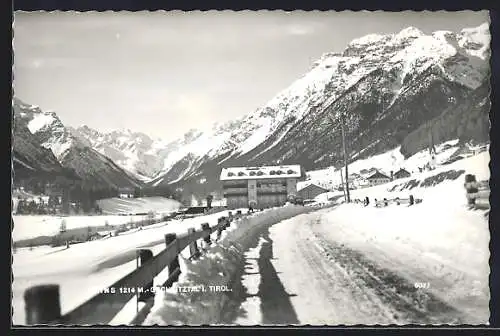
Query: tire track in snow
349,301
413,305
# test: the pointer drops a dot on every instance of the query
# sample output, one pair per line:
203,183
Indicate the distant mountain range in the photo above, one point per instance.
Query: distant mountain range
42,144
396,89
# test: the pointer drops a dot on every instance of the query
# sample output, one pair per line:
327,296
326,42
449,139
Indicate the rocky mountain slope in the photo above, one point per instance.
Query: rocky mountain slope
30,159
394,90
147,157
389,87
40,139
132,151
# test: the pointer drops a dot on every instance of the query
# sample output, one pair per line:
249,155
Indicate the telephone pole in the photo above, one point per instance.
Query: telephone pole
346,159
343,184
344,148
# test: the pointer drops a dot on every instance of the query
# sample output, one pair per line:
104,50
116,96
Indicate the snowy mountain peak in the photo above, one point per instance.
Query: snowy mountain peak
371,79
401,39
368,39
192,135
481,30
476,41
409,32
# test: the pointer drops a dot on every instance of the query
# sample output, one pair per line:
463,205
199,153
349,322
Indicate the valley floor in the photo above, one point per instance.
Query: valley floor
400,264
356,265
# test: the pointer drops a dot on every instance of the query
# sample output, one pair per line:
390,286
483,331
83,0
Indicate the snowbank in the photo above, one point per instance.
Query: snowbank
440,241
215,268
446,247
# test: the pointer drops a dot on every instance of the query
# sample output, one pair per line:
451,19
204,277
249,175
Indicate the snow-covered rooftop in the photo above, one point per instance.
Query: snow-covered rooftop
264,172
377,175
310,185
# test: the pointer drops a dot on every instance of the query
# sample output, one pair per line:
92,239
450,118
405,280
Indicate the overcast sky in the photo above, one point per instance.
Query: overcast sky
163,73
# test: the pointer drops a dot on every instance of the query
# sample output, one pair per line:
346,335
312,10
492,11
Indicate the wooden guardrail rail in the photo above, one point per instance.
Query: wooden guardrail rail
42,303
411,200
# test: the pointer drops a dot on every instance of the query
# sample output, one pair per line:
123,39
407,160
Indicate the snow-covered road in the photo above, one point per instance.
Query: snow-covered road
323,269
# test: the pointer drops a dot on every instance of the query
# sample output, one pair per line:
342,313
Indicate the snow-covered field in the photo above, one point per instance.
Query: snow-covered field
85,268
31,226
138,205
347,265
389,161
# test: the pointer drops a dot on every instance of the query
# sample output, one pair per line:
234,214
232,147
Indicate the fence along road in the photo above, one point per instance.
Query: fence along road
42,303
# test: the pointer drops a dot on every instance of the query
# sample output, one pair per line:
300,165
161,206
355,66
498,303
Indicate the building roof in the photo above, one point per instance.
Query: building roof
125,189
367,172
378,175
402,170
264,172
312,185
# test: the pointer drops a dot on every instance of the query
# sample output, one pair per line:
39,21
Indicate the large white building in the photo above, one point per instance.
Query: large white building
261,187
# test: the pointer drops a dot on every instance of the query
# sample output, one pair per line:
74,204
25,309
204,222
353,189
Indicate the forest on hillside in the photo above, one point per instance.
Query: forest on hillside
468,122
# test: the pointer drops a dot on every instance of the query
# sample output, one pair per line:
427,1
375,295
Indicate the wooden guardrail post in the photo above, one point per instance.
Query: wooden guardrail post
471,188
230,216
173,267
206,227
42,304
193,246
238,214
145,255
220,227
412,200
